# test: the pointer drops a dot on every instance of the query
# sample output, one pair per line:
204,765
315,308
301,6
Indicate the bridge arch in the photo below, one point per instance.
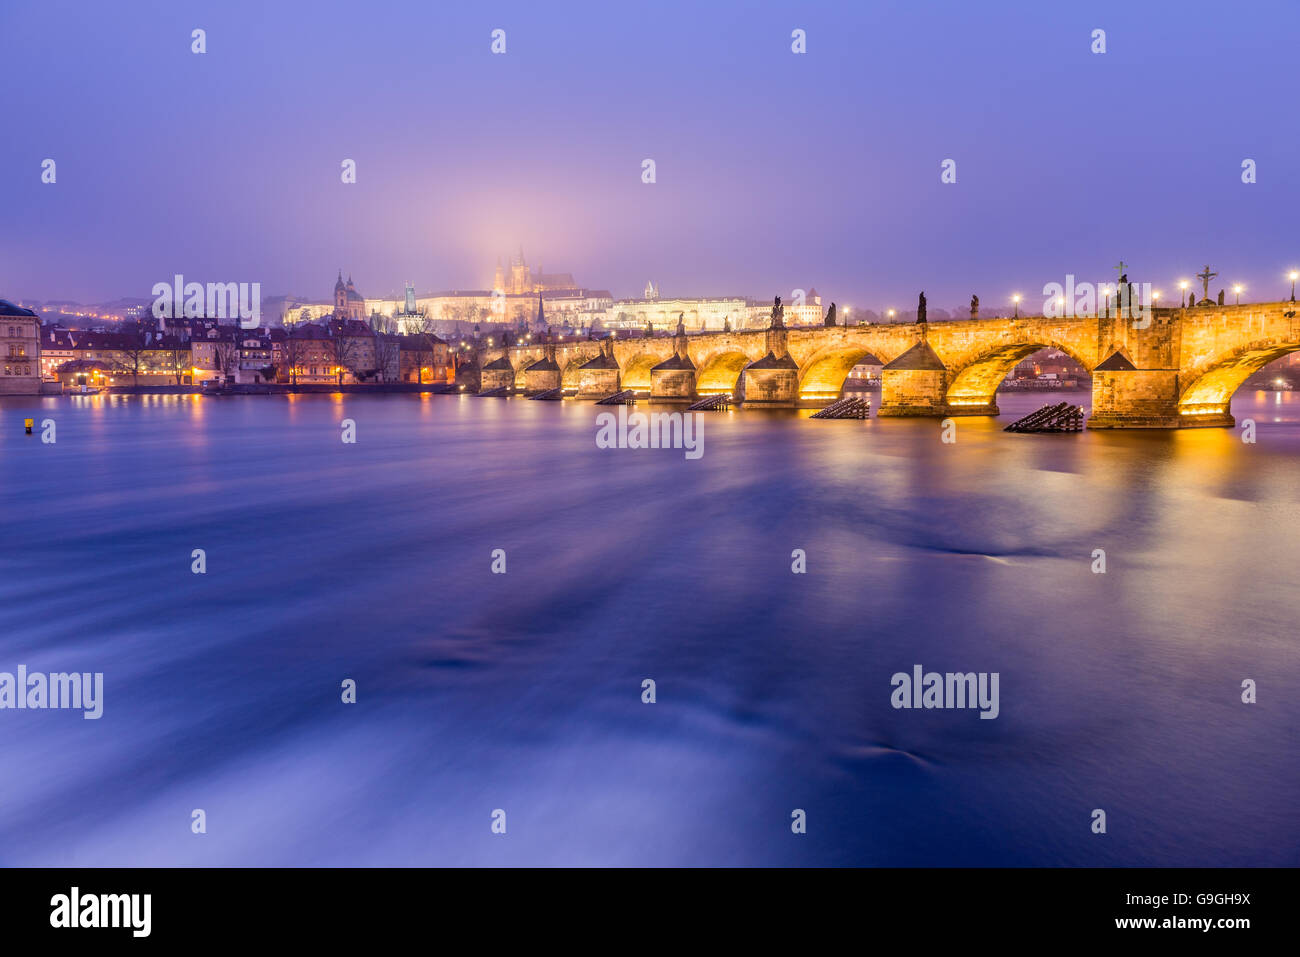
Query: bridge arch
569,374
824,374
720,372
976,383
1210,391
636,374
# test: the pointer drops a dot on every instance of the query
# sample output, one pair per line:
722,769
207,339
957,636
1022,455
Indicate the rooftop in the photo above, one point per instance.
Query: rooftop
7,308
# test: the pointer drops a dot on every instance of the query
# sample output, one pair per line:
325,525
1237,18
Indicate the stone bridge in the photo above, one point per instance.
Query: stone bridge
1175,368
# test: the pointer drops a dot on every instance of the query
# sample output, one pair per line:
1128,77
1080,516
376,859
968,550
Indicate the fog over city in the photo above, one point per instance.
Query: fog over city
772,171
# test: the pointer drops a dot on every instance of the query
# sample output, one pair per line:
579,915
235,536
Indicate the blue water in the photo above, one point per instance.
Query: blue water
522,691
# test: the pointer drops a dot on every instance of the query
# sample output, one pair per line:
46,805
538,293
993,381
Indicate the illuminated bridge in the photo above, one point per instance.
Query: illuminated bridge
1174,368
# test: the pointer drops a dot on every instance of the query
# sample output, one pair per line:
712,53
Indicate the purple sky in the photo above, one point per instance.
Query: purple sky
775,170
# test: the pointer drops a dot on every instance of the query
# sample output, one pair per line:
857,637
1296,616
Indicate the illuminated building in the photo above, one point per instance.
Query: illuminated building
705,314
56,349
20,343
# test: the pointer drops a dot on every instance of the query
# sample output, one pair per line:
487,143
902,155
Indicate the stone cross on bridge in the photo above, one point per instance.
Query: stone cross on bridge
1205,278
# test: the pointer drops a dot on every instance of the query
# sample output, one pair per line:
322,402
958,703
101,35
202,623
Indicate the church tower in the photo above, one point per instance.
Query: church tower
348,303
521,283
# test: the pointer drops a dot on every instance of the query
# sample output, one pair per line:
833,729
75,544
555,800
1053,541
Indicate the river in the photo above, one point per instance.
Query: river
522,692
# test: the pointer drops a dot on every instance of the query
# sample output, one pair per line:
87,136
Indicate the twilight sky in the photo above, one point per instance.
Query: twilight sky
775,170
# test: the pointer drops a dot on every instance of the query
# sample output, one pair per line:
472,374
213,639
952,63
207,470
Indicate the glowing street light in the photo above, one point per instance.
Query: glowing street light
1183,284
1016,300
1236,289
891,315
1294,276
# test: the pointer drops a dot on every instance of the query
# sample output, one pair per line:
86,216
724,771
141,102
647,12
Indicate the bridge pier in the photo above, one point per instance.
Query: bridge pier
498,374
544,374
916,385
673,380
772,381
599,377
1126,397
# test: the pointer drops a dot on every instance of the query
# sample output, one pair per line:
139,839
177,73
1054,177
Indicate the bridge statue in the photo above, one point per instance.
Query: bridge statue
778,314
974,307
830,315
920,308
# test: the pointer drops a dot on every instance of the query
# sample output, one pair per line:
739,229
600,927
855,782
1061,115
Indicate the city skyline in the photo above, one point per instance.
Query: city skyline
819,168
1168,292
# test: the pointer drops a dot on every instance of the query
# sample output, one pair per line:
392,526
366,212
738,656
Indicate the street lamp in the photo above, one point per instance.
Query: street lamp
1294,276
1182,285
1236,289
1016,300
891,315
